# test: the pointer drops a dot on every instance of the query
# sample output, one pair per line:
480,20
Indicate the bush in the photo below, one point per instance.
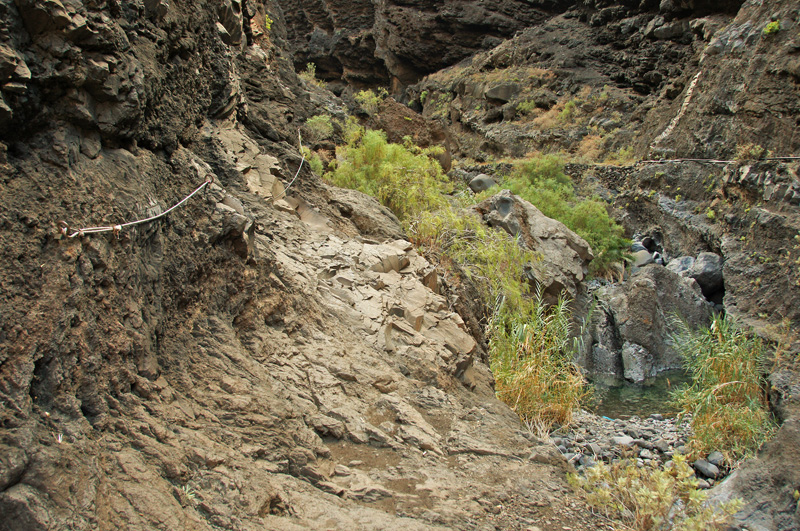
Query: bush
727,396
541,181
772,28
644,498
318,128
369,100
532,362
309,75
404,177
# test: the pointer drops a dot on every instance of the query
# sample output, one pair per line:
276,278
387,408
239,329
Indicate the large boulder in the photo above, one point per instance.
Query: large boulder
631,336
565,255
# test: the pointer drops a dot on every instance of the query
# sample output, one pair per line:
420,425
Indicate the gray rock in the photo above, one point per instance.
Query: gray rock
587,461
661,445
642,258
706,469
502,92
681,265
565,255
622,440
481,183
707,271
715,458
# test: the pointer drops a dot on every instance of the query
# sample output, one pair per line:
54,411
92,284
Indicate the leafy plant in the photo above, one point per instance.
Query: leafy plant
772,28
318,127
541,180
403,177
268,22
369,100
645,498
727,396
309,75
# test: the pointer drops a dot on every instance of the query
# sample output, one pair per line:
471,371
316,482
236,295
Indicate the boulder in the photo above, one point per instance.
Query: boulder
565,255
641,314
481,183
707,271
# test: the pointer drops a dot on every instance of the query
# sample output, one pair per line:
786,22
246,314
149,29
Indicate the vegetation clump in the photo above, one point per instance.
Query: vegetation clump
529,343
645,498
309,75
727,397
541,180
772,28
404,177
369,100
318,128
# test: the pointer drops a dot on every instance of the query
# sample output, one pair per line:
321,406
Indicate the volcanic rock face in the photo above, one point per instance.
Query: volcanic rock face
373,41
262,357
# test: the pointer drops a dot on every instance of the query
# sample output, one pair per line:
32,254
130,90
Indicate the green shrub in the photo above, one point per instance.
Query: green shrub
541,181
309,75
404,177
423,96
313,160
369,100
526,107
727,396
771,28
267,22
644,498
318,128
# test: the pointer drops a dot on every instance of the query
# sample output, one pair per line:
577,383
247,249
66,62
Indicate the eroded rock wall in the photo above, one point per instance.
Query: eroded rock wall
378,41
262,357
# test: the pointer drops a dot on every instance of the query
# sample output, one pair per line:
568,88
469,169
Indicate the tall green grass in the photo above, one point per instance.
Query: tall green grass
727,397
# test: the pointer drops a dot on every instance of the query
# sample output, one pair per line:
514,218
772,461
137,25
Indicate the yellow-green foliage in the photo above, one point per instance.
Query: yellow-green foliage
309,75
318,128
369,100
403,177
529,343
541,180
491,257
267,23
531,360
727,397
644,498
313,160
771,28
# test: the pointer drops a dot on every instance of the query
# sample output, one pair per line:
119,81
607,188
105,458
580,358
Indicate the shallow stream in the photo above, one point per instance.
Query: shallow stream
621,399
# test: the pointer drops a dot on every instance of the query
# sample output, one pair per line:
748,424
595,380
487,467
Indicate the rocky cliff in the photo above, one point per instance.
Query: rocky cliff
259,358
282,358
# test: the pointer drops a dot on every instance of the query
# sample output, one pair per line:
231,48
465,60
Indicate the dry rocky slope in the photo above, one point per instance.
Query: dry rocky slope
271,359
253,361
